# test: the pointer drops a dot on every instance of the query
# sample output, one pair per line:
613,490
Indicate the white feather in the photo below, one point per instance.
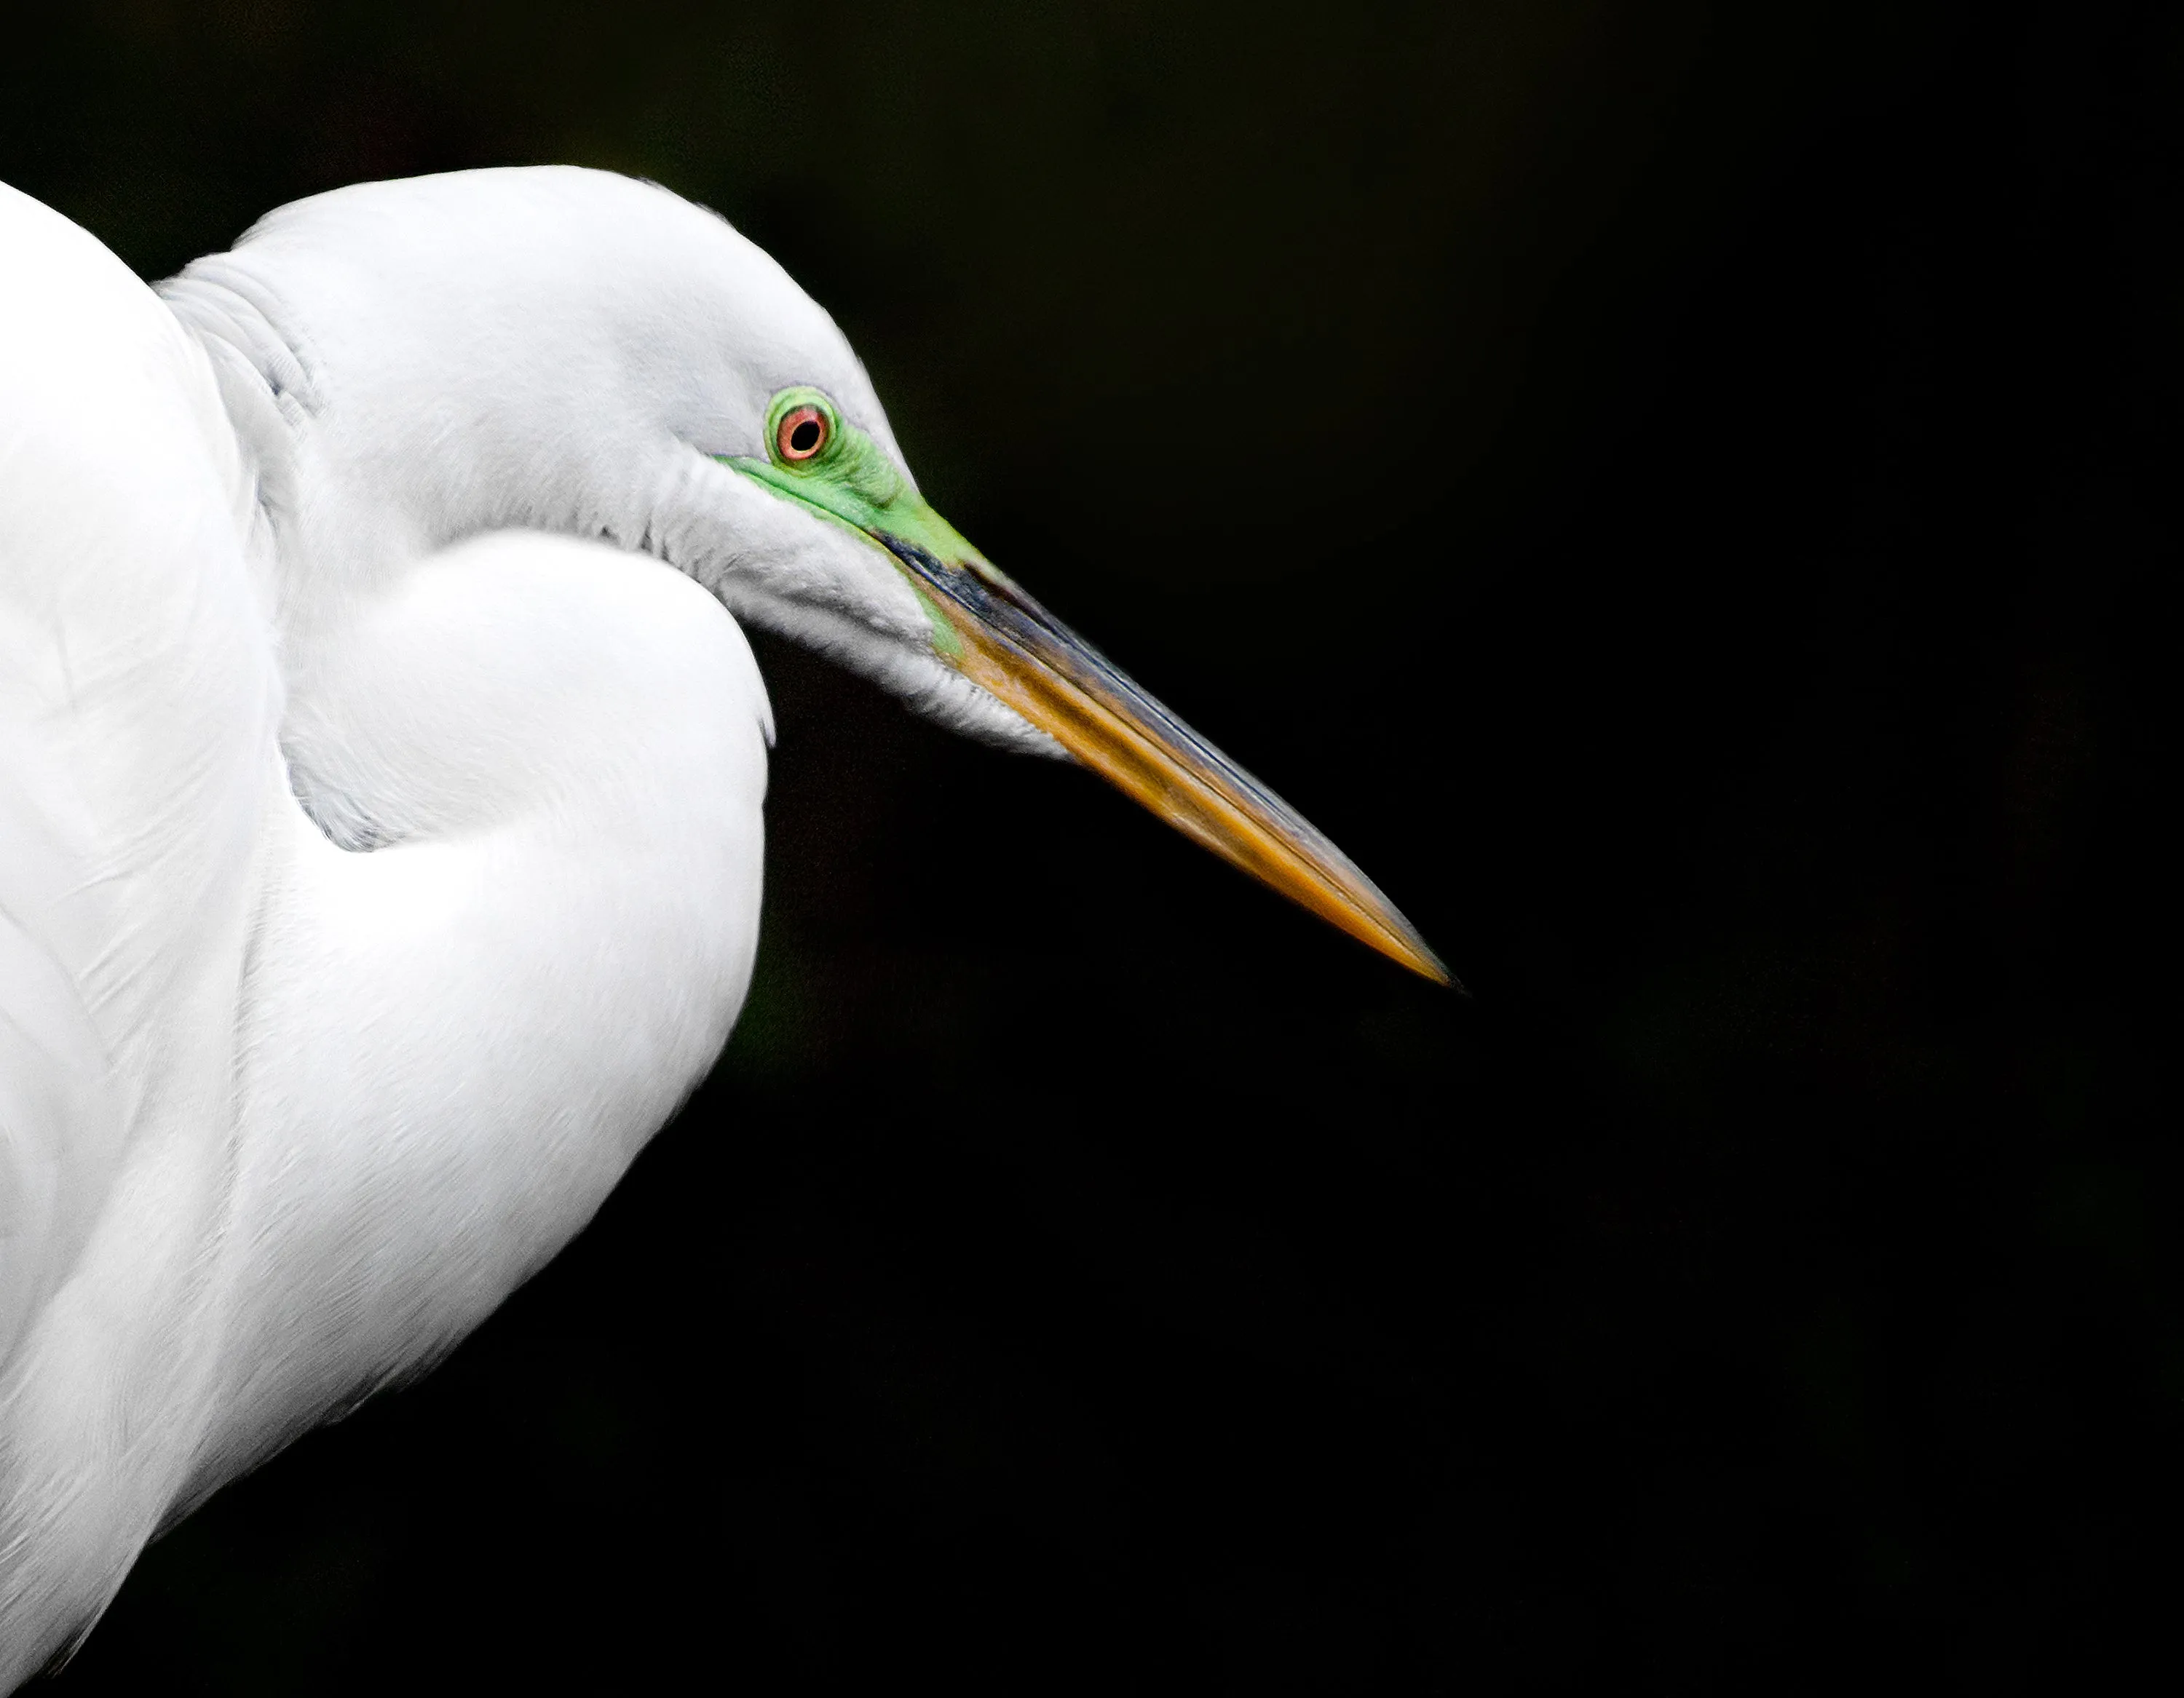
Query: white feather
365,538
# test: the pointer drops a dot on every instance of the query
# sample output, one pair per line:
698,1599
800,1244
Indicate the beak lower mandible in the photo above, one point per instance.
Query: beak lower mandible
1015,650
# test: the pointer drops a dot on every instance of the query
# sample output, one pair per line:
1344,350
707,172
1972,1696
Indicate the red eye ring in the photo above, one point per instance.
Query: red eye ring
802,432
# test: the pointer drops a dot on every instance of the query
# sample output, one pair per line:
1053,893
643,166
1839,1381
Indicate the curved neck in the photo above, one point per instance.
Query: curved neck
457,1042
442,1055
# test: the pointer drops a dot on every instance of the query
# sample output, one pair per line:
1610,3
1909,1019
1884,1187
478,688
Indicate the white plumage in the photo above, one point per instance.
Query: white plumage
279,1121
380,781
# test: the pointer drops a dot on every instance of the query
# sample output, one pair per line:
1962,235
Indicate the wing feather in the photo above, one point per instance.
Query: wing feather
137,702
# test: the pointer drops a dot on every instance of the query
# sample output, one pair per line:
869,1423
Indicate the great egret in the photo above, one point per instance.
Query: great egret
380,778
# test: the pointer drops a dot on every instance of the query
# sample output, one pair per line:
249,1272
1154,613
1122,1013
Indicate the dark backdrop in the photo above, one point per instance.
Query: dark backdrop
1676,491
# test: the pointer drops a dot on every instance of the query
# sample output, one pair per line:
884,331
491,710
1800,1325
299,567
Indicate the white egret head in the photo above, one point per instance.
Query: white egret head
573,350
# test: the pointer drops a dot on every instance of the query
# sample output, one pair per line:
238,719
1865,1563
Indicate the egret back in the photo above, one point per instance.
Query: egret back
138,708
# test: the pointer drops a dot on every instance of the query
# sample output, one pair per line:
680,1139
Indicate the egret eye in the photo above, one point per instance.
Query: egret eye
803,432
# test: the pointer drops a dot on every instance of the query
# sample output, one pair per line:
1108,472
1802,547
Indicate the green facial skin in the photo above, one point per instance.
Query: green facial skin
852,482
1001,639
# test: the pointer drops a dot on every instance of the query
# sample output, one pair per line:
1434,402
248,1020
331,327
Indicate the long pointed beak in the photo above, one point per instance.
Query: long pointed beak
1018,652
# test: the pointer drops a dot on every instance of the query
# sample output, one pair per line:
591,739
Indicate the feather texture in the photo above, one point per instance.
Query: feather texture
380,825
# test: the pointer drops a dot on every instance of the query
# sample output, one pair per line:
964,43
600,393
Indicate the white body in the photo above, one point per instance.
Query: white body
281,1119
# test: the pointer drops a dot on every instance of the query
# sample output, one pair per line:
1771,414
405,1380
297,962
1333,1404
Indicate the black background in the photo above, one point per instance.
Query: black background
1677,493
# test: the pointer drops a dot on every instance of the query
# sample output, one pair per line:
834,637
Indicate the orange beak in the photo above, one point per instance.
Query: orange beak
1019,653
